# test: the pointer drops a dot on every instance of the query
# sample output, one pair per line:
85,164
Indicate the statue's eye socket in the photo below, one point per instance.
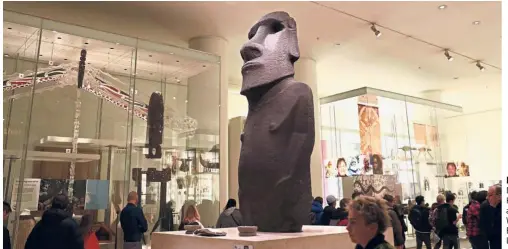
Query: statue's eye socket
277,27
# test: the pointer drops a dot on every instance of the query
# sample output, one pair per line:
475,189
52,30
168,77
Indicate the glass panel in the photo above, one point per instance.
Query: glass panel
189,151
21,44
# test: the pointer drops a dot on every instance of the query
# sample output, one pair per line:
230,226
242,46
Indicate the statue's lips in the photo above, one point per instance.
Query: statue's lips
250,64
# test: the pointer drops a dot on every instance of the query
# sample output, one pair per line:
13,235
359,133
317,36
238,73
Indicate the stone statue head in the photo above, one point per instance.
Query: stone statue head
271,51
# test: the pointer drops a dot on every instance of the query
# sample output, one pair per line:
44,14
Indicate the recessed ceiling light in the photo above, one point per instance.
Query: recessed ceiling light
171,53
151,73
125,69
9,28
455,78
111,48
186,101
204,65
174,97
59,38
337,44
149,55
442,7
117,43
86,43
6,55
65,59
476,23
177,61
89,63
40,55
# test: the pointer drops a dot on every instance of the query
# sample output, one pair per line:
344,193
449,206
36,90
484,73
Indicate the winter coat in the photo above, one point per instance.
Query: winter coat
56,230
422,225
317,209
329,213
91,241
230,217
398,233
378,242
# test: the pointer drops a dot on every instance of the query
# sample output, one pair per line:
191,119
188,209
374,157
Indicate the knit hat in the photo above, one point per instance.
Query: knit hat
331,199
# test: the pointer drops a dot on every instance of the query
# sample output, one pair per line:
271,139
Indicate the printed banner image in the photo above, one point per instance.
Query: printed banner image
453,171
97,194
370,131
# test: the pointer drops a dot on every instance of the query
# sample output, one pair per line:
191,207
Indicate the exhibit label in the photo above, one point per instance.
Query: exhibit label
29,195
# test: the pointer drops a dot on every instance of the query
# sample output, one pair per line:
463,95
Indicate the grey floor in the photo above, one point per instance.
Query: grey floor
411,244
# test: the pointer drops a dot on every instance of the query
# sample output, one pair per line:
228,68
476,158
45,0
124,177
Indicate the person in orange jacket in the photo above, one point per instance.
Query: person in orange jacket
89,237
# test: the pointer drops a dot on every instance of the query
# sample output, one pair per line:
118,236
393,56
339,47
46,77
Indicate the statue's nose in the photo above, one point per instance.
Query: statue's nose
250,51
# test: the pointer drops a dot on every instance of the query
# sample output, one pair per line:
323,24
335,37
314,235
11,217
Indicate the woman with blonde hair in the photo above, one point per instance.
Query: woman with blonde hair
191,217
368,220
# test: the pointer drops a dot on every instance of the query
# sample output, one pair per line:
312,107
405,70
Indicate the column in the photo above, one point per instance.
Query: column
305,71
208,89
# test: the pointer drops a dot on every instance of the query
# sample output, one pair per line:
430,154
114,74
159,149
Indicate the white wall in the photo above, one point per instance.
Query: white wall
475,136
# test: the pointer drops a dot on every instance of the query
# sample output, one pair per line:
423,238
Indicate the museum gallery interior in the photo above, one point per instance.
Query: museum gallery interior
269,103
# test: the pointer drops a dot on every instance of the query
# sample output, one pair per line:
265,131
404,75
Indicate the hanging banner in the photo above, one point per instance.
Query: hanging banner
29,196
370,139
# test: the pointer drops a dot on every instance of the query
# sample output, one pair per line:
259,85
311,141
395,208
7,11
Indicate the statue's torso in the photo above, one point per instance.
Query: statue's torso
269,168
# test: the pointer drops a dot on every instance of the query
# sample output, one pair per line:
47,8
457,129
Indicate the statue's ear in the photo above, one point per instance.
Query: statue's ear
293,50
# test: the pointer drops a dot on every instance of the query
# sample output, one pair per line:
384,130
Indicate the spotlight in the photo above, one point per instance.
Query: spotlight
448,56
376,31
479,66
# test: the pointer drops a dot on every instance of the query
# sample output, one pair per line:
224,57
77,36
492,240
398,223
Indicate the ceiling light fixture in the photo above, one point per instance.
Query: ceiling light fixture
442,7
9,28
86,43
375,30
111,48
59,38
476,23
448,56
6,55
174,97
479,66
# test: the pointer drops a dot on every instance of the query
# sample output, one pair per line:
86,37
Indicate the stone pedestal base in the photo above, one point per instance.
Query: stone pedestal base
324,237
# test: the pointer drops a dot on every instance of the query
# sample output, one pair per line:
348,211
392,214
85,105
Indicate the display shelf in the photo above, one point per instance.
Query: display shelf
52,156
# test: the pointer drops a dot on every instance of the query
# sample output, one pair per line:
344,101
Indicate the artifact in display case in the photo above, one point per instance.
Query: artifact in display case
279,131
155,125
97,82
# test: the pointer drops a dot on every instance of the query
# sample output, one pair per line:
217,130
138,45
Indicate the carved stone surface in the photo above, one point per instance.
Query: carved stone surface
274,168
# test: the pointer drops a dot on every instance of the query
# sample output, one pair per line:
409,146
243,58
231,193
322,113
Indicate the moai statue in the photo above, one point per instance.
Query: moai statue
278,139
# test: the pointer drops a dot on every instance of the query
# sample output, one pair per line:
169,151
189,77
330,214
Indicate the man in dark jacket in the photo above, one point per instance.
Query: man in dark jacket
446,220
316,211
7,237
133,223
419,218
57,229
330,211
490,217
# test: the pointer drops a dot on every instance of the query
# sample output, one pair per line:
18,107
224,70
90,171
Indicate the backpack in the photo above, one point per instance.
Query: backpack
441,219
313,218
415,218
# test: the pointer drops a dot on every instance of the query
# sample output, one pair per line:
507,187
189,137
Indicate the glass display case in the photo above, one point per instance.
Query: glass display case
380,142
77,104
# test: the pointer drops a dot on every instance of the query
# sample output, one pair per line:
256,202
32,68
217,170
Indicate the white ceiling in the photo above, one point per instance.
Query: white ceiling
392,61
114,58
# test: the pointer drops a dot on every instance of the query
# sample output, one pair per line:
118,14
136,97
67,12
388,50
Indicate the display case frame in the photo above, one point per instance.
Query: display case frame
406,113
114,156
